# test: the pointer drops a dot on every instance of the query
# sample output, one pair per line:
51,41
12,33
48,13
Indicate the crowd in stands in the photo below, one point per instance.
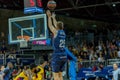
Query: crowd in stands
103,51
98,49
4,46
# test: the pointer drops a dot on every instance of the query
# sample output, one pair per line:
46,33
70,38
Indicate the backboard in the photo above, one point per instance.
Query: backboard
34,26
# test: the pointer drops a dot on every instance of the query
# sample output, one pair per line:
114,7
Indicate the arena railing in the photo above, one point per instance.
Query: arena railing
19,58
85,63
110,62
90,64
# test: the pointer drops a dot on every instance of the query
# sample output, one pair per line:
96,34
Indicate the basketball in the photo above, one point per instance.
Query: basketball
51,4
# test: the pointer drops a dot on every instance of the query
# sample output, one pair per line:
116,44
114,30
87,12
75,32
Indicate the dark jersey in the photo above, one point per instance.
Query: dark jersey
59,41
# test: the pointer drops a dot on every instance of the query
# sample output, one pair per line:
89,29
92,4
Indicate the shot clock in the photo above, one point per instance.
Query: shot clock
32,6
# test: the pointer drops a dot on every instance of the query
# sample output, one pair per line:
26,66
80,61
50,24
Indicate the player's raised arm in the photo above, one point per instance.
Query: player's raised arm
51,27
54,19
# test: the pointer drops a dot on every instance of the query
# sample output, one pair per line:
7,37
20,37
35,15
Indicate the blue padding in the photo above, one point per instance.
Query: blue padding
11,60
83,71
72,70
1,61
72,67
88,73
48,41
101,73
27,61
70,55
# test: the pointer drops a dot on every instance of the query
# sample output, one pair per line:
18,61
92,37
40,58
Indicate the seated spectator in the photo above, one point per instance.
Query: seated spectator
106,56
85,56
81,54
2,72
70,48
112,46
94,68
0,52
3,49
18,62
100,46
79,59
91,55
78,48
85,48
118,53
118,42
100,53
11,56
100,59
75,52
101,66
95,55
115,54
94,59
2,38
13,51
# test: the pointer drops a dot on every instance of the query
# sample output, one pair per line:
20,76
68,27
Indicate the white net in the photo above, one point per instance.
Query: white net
23,44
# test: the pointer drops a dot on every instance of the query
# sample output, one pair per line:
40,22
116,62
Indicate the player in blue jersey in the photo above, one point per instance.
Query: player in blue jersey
59,57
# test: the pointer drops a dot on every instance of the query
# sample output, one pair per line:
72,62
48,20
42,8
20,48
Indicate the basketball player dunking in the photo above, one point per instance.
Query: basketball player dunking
59,57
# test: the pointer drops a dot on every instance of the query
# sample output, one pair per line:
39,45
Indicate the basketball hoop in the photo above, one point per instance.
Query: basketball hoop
26,38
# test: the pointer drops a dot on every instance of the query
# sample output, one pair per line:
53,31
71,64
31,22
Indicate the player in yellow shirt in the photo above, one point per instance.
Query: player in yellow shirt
26,74
21,76
39,73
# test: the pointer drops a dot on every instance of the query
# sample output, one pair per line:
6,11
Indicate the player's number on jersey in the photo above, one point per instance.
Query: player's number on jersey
62,43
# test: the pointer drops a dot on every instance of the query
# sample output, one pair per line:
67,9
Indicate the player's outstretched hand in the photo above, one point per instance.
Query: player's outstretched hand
48,13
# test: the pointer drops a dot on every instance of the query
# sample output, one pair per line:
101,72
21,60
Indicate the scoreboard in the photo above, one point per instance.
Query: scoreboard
32,6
